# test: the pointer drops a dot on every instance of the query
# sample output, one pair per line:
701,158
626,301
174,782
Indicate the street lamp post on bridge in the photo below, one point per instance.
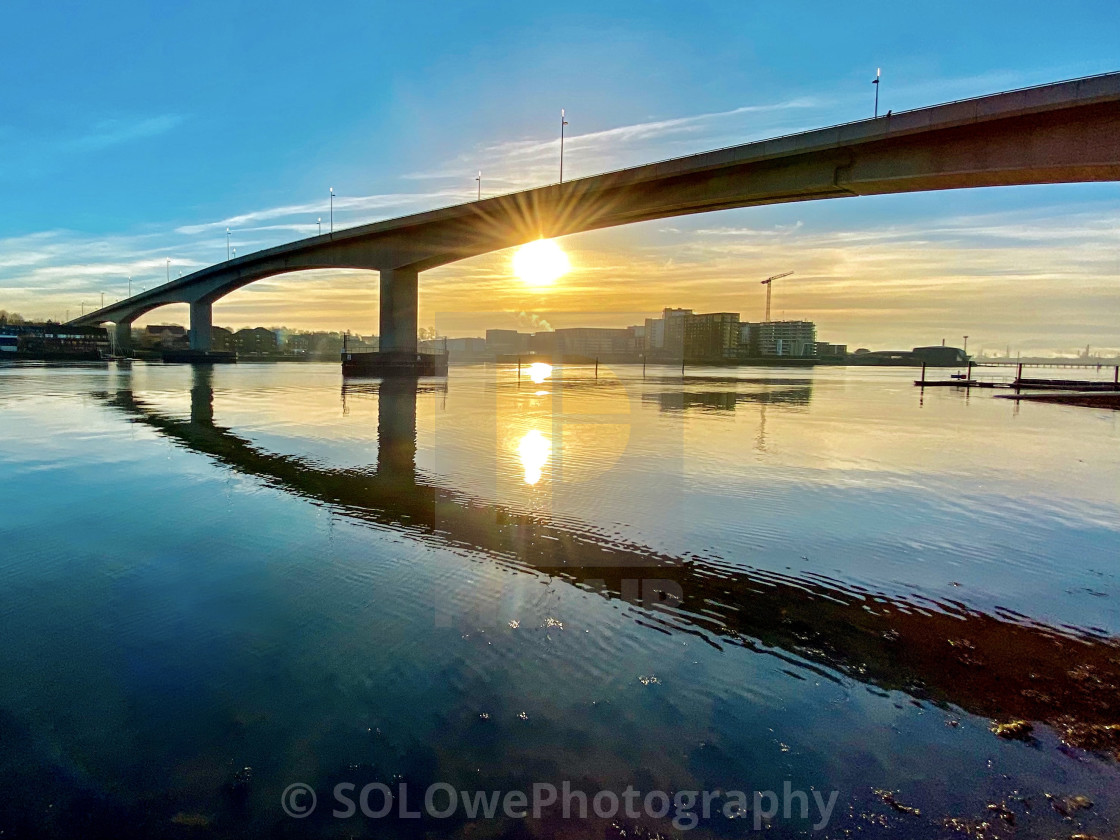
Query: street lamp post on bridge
563,122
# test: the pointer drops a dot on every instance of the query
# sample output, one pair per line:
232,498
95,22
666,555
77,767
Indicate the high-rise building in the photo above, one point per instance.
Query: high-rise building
675,320
664,336
779,338
711,336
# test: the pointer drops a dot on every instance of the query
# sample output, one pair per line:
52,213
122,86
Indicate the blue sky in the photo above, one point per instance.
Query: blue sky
133,132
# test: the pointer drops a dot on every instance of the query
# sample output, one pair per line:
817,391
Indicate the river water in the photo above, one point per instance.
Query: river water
221,583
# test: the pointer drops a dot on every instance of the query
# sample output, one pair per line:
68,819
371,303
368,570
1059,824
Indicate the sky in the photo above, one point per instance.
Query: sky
135,133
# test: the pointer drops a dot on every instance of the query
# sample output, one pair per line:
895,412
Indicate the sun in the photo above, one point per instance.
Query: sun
540,263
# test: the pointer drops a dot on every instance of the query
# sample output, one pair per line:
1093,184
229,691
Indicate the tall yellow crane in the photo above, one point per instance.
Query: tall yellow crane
768,284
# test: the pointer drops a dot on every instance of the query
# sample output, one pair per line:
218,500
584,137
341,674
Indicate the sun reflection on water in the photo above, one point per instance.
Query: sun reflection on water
539,372
533,450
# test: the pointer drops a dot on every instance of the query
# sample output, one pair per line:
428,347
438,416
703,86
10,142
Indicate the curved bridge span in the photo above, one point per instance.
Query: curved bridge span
1060,133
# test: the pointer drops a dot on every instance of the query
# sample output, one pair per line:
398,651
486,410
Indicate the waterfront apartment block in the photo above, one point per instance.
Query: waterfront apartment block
712,336
795,339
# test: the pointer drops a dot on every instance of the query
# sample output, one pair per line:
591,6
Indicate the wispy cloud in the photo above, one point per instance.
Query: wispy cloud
509,165
25,154
355,206
115,132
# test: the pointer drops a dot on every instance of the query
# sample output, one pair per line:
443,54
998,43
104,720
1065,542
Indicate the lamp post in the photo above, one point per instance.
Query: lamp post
227,244
130,285
102,300
319,222
235,253
479,179
875,81
332,211
563,122
169,269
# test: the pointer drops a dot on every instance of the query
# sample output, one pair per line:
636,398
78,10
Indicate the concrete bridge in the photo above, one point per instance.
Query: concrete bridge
1060,133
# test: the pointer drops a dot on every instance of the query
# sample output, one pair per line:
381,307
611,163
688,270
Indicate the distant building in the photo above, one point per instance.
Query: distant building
541,343
507,342
164,335
711,336
796,339
939,356
459,350
831,351
221,340
654,335
596,342
255,342
320,345
675,320
53,341
664,336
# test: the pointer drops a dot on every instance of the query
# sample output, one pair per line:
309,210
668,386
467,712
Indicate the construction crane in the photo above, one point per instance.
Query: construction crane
767,283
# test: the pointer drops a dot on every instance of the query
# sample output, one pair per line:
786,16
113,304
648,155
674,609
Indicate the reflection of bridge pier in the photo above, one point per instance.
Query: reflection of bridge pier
202,395
396,429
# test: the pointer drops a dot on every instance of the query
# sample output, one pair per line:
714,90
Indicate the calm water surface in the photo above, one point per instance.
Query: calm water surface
217,583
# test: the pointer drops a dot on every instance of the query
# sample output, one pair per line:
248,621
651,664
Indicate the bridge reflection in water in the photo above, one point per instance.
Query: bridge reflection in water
1002,666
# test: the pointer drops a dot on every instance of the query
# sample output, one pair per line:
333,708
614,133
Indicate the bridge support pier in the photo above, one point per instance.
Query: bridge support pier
202,317
399,302
122,338
397,354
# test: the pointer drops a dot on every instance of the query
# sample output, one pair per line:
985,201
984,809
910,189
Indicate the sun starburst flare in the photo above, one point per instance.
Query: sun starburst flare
540,263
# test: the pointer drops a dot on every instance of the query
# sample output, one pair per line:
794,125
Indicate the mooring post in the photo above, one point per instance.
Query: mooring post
518,371
1116,376
968,376
1018,378
923,374
596,367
